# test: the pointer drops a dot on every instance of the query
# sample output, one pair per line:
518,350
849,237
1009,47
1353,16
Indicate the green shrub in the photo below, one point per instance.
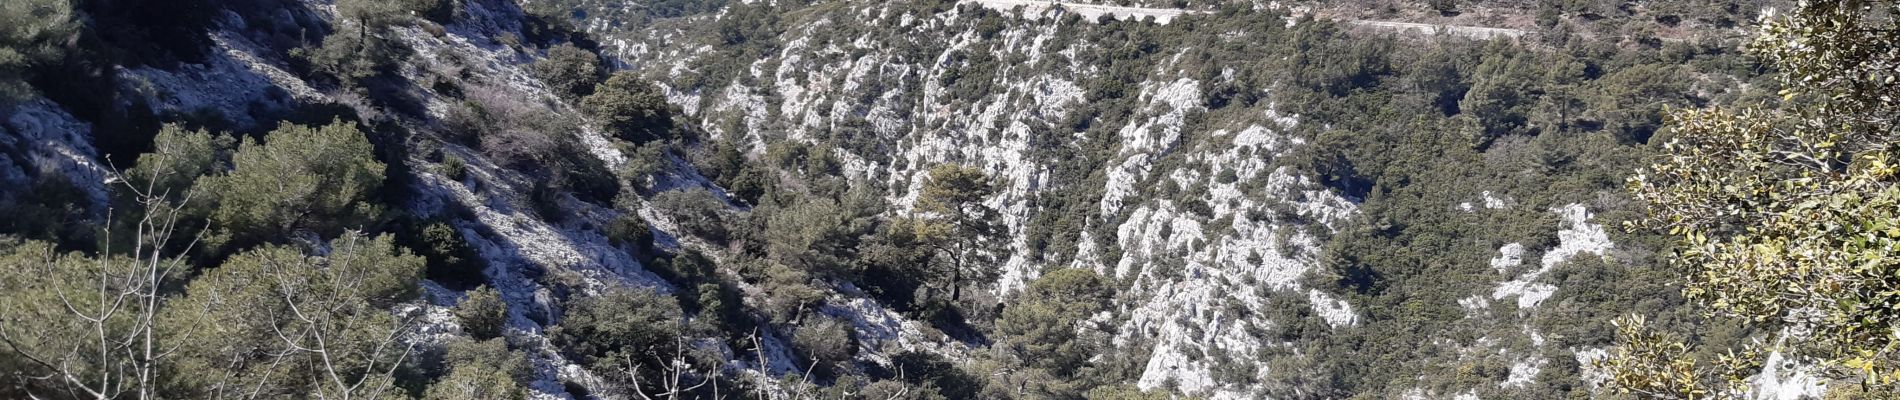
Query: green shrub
452,261
932,370
317,179
480,370
723,307
789,294
352,60
631,108
695,211
1044,326
31,33
340,302
639,321
454,168
483,314
579,171
813,235
569,71
826,342
629,230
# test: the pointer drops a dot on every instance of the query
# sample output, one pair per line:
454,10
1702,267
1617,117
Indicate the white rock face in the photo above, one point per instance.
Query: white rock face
1336,312
1785,379
54,143
1578,237
1523,372
1206,283
1510,256
1194,275
1593,377
1141,141
1089,12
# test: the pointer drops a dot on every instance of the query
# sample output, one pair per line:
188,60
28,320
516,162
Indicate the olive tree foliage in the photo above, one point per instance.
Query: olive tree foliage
299,179
276,322
81,326
958,225
31,32
1787,216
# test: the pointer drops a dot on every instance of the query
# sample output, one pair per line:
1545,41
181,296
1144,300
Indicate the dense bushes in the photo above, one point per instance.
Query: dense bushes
621,322
339,302
631,108
631,231
1044,326
482,313
695,211
532,139
480,370
452,261
569,71
826,343
627,336
315,179
31,32
352,60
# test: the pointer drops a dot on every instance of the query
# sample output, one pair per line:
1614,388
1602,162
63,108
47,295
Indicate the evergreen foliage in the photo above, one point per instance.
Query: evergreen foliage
960,226
1046,327
291,324
482,313
570,71
631,108
480,370
32,33
619,323
319,180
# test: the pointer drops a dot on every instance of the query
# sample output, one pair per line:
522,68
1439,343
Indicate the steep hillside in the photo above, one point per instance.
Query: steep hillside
827,199
1189,160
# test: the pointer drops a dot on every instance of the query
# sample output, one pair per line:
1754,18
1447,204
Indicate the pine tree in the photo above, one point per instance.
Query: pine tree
960,226
32,32
315,179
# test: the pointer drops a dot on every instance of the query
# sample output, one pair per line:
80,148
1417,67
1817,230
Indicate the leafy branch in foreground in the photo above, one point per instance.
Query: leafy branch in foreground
1787,216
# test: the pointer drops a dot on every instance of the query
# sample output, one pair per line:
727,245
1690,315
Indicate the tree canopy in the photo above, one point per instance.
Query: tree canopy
316,179
631,108
959,226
